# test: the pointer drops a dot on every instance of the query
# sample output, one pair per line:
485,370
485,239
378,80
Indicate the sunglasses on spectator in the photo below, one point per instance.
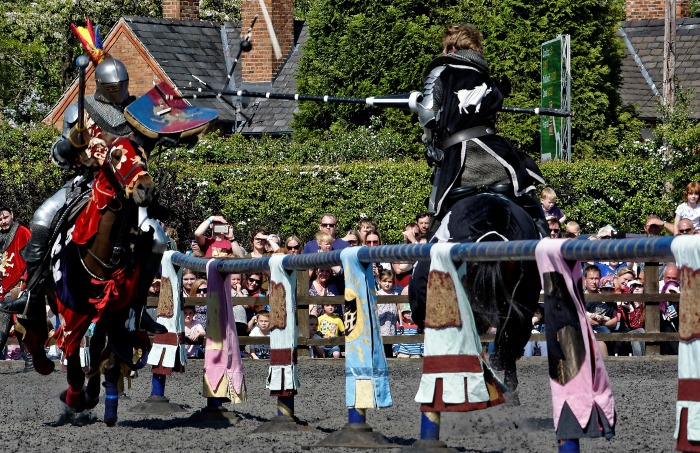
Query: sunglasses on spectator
293,247
372,242
685,231
255,280
201,290
328,225
570,235
554,231
605,237
352,242
259,240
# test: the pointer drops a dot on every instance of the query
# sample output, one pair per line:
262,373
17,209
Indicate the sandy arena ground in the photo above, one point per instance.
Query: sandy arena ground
645,393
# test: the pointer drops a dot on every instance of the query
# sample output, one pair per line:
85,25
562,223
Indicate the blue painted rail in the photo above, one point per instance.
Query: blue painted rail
637,249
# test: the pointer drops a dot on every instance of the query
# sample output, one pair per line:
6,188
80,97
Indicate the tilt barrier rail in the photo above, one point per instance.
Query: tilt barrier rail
650,250
367,383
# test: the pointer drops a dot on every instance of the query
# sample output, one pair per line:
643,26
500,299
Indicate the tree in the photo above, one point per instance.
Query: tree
38,50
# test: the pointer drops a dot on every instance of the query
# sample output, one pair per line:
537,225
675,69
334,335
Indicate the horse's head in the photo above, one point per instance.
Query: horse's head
127,162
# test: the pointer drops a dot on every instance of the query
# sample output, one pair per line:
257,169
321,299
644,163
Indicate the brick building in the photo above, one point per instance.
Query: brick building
180,46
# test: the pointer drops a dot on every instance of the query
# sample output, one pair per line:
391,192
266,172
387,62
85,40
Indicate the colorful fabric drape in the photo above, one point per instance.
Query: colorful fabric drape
167,347
455,376
686,250
582,398
282,379
12,265
223,369
366,371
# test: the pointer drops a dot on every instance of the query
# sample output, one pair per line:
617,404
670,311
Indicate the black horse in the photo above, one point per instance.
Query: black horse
503,294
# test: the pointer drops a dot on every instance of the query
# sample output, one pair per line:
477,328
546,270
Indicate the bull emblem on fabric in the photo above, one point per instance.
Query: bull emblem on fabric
472,97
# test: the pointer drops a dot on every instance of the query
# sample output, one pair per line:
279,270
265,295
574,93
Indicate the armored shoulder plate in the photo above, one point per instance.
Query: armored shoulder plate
427,109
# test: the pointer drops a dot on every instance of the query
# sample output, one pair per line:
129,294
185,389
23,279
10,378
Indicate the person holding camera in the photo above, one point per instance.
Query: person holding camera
221,241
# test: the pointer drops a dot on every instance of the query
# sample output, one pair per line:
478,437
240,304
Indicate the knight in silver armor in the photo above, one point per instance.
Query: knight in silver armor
106,109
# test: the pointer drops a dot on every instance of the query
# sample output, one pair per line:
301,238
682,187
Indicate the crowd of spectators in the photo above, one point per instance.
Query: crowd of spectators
612,277
215,237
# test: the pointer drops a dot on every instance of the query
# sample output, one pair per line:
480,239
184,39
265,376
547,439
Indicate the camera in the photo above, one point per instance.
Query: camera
221,229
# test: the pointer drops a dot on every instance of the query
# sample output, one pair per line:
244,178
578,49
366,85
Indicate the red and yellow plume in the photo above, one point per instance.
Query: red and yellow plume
90,39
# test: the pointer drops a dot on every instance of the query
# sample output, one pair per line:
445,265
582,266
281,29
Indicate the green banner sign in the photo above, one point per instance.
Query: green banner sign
551,128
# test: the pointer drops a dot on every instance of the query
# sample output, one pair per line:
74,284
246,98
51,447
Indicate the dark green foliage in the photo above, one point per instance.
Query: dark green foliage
27,176
359,49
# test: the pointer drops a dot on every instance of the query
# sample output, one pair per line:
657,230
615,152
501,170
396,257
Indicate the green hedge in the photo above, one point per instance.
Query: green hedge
286,186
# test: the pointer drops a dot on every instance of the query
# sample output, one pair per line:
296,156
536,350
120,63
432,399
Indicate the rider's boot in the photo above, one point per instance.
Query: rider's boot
147,273
6,323
30,306
28,362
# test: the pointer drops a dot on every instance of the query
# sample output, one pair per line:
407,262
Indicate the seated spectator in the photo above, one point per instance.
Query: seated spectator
406,326
537,348
388,314
601,315
188,278
324,241
685,226
689,209
293,245
315,351
631,316
352,237
554,227
222,242
624,275
328,224
320,284
364,226
411,234
423,222
669,309
548,199
261,329
240,316
199,289
573,230
331,325
194,334
262,245
154,289
194,249
253,285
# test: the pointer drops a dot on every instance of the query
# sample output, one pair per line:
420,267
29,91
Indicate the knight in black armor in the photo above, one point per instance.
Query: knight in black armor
458,115
85,149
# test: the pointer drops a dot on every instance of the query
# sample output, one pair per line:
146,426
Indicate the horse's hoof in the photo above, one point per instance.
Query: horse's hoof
512,398
75,406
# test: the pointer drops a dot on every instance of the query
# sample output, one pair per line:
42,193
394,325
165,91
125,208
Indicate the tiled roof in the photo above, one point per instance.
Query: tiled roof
186,48
642,67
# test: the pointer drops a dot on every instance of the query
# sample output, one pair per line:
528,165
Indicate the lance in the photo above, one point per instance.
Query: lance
405,100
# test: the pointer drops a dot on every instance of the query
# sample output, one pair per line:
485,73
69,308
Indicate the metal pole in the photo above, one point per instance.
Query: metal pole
407,101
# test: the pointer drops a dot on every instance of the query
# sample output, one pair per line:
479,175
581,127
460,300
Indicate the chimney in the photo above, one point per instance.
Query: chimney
181,9
653,9
261,64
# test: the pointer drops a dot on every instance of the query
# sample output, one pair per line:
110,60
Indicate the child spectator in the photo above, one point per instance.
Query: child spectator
533,348
548,198
315,351
331,326
388,314
194,334
689,209
406,326
261,329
